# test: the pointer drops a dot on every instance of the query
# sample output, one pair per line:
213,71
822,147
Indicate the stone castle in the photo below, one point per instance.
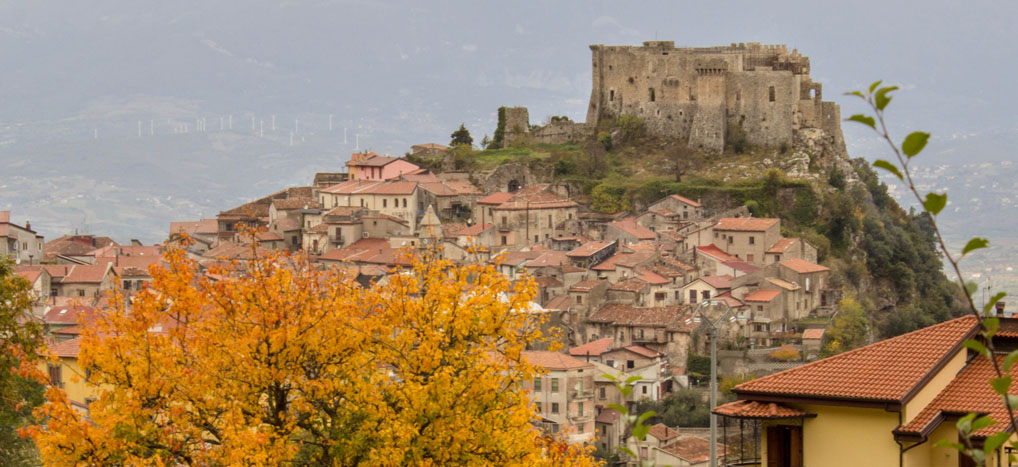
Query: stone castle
703,95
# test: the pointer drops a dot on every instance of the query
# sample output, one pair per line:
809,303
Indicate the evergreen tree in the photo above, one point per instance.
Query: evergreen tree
461,137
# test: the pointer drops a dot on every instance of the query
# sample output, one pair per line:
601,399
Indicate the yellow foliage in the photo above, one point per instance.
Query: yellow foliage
278,362
785,353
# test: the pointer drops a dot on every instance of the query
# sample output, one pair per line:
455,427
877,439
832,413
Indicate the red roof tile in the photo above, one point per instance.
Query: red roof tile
69,314
90,274
969,391
588,249
814,333
559,303
718,282
587,285
782,245
802,266
628,315
597,347
475,229
629,226
68,349
889,370
554,360
495,198
372,187
761,410
662,432
762,295
745,224
686,200
629,285
692,449
716,253
643,351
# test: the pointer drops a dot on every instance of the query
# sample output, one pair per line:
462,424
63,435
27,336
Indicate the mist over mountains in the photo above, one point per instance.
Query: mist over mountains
83,79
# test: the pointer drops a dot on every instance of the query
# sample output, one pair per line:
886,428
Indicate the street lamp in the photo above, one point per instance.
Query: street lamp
713,313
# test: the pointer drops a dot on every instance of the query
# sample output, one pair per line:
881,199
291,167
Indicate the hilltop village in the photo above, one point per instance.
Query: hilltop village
633,293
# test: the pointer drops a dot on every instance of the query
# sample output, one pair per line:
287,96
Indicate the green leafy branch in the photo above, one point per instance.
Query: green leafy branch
877,97
635,423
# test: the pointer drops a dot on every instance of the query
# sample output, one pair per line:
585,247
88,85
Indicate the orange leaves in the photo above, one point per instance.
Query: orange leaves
274,361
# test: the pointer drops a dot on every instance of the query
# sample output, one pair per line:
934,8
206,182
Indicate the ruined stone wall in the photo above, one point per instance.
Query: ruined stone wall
517,125
699,94
562,132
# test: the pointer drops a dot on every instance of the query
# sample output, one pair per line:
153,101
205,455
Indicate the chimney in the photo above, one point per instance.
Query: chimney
1000,309
28,225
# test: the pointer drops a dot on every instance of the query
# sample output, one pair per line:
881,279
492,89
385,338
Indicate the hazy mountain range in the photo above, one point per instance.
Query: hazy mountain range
81,81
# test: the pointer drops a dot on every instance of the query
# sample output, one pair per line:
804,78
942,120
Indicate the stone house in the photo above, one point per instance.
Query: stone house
288,229
587,296
393,198
673,210
710,259
38,277
627,230
533,215
811,278
768,315
372,166
335,228
747,238
564,395
623,265
705,288
21,244
477,235
452,199
87,281
791,248
428,149
591,253
631,291
662,329
484,208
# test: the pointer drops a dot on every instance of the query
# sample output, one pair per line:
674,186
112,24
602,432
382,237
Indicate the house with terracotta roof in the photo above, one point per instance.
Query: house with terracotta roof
64,372
627,230
665,446
587,296
591,253
532,215
19,243
38,277
888,403
812,342
87,281
683,208
393,198
564,394
705,288
747,238
372,166
790,248
452,199
661,329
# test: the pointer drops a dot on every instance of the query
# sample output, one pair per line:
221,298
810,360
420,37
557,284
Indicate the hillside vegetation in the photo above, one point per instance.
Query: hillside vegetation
879,253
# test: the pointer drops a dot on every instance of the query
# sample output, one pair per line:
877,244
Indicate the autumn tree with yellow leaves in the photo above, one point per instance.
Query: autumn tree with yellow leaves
274,361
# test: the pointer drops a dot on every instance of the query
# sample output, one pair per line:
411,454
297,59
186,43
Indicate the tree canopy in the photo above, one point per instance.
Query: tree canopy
278,362
461,137
21,345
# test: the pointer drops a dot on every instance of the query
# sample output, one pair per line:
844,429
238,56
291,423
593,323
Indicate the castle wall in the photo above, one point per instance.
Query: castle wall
700,94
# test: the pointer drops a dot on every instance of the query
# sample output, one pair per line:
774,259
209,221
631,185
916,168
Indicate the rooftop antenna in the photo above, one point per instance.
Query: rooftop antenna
252,123
330,122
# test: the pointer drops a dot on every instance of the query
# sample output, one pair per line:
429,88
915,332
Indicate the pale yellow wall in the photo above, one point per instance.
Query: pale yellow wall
847,436
937,384
72,379
927,454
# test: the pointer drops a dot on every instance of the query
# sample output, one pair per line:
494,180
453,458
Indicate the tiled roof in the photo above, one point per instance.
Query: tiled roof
554,360
495,198
782,245
546,282
671,235
204,226
762,410
344,211
374,160
783,283
692,449
69,314
746,224
269,237
716,253
802,266
88,274
296,203
285,224
663,433
548,259
652,277
597,347
475,229
68,348
969,391
372,187
450,188
629,226
587,285
718,282
741,266
629,285
643,351
686,200
813,333
531,201
559,303
417,176
887,371
628,315
588,249
253,209
607,416
762,295
30,275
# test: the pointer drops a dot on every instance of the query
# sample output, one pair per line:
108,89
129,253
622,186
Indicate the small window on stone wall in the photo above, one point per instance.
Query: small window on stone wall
771,92
653,96
611,95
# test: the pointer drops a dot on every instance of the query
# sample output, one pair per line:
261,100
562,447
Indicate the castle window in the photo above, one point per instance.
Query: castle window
631,80
653,97
611,95
771,92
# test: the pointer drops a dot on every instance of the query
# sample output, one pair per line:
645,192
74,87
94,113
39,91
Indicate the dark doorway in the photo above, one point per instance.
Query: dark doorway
513,186
784,446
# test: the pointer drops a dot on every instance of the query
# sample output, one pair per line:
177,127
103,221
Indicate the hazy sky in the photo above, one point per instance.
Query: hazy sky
79,77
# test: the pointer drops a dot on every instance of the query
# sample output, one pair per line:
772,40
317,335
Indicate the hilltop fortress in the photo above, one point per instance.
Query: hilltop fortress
702,95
